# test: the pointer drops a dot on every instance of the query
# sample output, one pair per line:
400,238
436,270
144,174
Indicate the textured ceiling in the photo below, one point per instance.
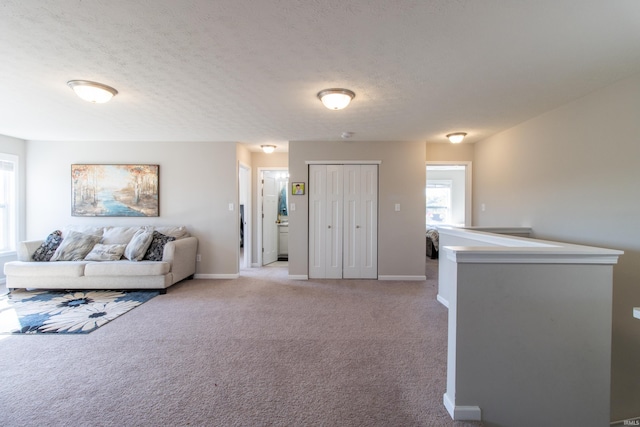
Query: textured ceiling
249,71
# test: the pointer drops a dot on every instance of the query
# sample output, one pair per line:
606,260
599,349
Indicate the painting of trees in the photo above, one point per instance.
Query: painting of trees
114,190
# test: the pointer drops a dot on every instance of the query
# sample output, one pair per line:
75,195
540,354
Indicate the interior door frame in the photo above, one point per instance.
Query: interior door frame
259,207
468,189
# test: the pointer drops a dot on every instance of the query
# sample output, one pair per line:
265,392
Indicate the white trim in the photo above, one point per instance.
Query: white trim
216,276
343,162
298,277
401,278
442,301
501,249
462,413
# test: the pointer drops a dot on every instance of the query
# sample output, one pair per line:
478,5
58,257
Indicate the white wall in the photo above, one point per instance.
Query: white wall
402,178
197,183
572,174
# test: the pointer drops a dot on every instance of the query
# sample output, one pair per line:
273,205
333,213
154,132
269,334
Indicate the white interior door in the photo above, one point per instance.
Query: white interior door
269,218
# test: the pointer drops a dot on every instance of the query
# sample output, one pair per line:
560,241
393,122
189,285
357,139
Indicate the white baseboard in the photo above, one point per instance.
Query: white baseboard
402,278
298,277
462,413
216,276
442,301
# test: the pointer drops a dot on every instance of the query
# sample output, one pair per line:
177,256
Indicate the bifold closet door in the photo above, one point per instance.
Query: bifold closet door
360,236
343,222
325,221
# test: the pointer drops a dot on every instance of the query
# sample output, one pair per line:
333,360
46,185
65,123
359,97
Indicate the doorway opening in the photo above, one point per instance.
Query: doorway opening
273,225
244,211
448,194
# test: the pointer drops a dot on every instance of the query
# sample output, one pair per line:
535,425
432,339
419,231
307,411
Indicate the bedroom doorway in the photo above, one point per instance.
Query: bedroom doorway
448,194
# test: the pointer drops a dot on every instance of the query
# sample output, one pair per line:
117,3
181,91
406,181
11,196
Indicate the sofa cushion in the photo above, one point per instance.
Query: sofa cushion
45,269
102,252
75,246
177,232
139,244
156,249
48,247
126,268
118,235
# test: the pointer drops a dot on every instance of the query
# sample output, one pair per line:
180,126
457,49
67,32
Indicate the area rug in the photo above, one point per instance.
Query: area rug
64,312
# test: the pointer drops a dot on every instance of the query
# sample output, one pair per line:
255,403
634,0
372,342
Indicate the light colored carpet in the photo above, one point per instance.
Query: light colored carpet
261,350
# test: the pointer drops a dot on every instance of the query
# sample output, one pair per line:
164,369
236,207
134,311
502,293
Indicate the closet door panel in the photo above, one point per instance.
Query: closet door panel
368,237
352,220
333,236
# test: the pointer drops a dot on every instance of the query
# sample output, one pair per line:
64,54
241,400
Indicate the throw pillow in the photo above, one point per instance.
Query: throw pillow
48,247
75,246
118,235
101,252
156,249
139,244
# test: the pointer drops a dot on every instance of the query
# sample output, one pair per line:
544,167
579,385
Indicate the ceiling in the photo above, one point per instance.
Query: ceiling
249,71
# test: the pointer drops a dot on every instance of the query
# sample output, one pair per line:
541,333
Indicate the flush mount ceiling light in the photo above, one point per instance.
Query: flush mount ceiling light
92,91
336,99
268,148
457,137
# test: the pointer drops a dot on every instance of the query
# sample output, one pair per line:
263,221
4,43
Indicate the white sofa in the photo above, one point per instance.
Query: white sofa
178,263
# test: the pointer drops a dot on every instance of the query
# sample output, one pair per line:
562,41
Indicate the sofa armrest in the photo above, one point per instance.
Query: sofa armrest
181,254
27,248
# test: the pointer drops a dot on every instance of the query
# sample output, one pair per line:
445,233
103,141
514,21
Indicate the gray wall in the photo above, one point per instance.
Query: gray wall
572,174
402,178
197,183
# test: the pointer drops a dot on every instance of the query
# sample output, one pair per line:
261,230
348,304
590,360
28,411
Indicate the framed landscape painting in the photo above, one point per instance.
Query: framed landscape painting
114,190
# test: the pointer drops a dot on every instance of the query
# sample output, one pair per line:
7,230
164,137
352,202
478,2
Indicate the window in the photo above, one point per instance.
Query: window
438,202
8,202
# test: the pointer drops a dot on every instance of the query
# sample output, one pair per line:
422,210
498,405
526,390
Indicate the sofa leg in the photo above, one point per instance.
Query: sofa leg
162,291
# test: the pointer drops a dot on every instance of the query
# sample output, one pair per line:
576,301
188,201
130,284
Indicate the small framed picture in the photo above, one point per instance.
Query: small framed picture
297,188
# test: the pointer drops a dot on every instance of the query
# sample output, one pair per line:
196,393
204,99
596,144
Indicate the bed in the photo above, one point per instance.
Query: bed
432,243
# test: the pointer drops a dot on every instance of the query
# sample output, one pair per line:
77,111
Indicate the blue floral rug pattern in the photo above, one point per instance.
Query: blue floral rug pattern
64,312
